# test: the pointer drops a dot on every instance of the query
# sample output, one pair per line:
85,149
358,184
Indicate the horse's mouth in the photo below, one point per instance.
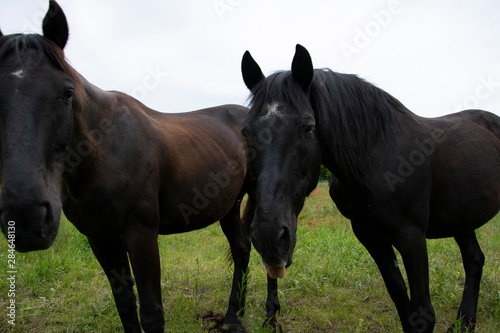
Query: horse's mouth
276,272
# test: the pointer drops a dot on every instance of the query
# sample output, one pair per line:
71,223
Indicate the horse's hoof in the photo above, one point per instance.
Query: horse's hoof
274,326
232,326
235,329
461,328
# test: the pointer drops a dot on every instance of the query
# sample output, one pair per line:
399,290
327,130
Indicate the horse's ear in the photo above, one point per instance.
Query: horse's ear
252,74
1,34
302,67
55,25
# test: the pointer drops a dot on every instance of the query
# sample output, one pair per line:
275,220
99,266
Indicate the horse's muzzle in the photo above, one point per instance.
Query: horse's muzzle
29,227
275,246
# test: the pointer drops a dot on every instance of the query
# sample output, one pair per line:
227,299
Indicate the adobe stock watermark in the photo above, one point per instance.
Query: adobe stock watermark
417,157
223,7
485,89
11,273
219,181
33,25
75,155
420,320
151,81
364,35
121,280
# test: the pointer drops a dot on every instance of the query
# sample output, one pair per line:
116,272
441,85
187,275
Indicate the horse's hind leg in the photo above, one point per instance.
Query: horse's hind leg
473,259
239,243
114,261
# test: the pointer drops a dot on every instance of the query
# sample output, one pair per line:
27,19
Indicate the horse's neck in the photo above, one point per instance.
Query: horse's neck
93,111
93,124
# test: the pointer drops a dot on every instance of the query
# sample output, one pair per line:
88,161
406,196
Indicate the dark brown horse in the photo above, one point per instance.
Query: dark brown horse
122,173
398,177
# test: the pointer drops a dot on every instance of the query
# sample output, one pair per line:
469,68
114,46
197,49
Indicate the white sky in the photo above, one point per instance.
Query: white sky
435,56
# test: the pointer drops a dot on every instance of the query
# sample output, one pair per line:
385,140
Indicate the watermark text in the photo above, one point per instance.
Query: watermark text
11,272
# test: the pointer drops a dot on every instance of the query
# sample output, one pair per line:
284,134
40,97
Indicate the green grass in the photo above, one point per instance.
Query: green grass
333,285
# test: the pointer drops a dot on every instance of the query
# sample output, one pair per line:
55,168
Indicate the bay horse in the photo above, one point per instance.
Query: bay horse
121,172
398,177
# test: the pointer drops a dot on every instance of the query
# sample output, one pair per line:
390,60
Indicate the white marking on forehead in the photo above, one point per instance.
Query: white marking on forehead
273,110
19,74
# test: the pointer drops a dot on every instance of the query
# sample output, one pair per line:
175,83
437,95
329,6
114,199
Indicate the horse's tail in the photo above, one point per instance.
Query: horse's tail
248,215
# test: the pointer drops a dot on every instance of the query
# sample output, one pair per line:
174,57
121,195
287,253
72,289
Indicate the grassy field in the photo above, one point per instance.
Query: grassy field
333,285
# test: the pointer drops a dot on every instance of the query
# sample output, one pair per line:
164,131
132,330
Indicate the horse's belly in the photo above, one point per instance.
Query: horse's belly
197,207
463,210
465,184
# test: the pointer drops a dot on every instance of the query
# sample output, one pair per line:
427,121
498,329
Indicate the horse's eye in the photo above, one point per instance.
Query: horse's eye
68,93
60,148
310,129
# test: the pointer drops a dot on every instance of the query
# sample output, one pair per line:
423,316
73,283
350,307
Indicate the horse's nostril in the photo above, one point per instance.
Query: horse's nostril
47,212
281,234
283,242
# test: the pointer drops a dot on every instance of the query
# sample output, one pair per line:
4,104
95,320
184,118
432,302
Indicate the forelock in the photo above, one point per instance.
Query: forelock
274,92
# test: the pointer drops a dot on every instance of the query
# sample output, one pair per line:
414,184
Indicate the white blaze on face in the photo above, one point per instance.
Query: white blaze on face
273,111
19,74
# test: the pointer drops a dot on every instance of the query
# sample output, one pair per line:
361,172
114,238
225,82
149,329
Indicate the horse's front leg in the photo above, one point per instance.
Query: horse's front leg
382,252
411,244
272,305
240,250
239,243
114,260
142,246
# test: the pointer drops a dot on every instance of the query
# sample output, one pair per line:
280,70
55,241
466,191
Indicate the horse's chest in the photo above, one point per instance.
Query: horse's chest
347,203
93,216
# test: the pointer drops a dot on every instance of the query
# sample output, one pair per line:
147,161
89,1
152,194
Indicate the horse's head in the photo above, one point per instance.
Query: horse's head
36,125
284,155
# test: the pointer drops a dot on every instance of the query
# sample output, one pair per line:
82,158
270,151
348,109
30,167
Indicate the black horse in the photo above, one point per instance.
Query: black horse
122,173
398,177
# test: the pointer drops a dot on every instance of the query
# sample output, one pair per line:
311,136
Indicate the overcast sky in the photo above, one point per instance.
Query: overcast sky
435,56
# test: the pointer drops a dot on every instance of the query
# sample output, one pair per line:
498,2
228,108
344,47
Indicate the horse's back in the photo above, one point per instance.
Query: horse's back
228,115
488,120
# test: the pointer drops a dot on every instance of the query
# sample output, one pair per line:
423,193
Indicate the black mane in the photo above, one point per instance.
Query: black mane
352,115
